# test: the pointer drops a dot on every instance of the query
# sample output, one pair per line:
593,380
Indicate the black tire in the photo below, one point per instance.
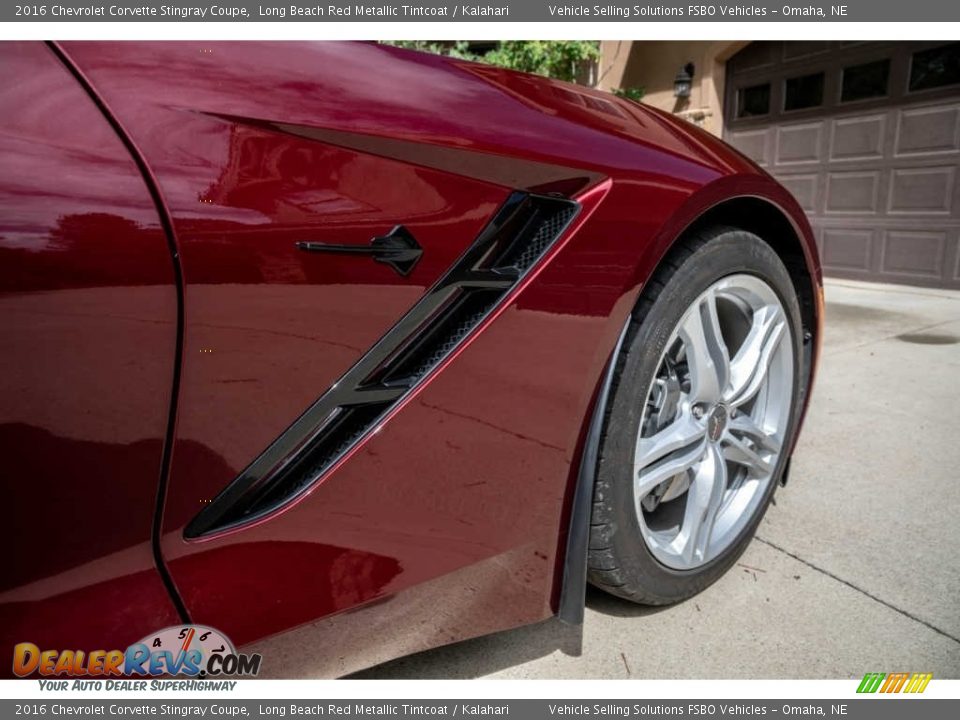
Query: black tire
619,560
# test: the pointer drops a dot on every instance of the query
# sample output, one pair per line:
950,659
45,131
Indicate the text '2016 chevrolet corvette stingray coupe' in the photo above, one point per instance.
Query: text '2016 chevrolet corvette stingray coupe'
375,350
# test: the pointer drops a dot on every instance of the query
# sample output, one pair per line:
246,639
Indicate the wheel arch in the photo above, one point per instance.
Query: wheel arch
763,208
771,224
760,205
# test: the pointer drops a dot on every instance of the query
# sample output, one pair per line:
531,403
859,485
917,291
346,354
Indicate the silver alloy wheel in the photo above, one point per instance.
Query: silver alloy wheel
714,422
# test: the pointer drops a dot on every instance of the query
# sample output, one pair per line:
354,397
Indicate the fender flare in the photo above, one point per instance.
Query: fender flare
570,609
573,591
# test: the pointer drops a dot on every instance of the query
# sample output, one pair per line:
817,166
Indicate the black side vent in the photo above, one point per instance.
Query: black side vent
442,336
524,254
515,239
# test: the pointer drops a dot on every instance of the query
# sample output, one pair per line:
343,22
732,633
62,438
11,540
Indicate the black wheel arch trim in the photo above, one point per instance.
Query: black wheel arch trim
573,591
573,584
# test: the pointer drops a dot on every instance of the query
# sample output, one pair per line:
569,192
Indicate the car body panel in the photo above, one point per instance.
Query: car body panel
88,322
450,521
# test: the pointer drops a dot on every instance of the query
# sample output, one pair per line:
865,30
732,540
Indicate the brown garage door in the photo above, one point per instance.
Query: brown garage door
867,137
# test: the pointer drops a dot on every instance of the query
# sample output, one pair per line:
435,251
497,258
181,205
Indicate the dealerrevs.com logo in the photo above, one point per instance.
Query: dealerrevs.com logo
192,651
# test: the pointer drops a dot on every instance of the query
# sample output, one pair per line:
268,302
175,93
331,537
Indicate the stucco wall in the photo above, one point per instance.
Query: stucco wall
653,65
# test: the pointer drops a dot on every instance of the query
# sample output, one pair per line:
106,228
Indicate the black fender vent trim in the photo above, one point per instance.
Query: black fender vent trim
518,236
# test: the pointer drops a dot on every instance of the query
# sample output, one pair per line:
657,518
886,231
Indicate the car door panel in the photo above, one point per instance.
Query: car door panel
88,322
269,327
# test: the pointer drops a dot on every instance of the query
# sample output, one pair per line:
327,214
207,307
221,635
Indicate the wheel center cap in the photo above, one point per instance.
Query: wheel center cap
717,423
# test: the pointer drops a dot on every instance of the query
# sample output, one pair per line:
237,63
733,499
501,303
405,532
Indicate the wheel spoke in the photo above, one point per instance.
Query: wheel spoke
679,434
707,354
749,366
703,503
745,443
677,452
745,425
738,451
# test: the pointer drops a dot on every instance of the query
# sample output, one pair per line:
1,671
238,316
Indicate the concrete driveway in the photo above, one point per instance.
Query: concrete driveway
857,566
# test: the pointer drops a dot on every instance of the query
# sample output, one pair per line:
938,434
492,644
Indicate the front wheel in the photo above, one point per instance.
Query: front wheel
700,420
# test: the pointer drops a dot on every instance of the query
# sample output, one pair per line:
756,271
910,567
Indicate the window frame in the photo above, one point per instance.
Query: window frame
871,98
822,73
908,90
739,106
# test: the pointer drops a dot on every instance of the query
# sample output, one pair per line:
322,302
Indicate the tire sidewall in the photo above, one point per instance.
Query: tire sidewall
728,252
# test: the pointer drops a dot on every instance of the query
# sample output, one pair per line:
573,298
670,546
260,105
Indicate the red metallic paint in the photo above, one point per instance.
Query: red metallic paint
87,334
449,522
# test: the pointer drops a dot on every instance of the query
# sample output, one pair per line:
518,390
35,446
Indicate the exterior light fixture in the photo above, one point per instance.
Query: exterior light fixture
683,81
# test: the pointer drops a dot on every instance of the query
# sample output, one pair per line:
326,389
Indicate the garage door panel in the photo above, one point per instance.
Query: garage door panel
804,49
755,56
922,190
803,188
953,251
874,166
858,138
853,192
914,254
848,249
923,131
753,144
799,143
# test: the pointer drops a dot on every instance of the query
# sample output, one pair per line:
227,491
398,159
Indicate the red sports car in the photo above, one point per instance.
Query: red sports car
374,348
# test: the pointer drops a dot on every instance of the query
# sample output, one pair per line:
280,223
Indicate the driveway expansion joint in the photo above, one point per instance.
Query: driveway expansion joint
858,589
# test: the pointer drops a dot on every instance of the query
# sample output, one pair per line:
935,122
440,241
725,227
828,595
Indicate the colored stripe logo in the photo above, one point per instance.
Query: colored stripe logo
894,682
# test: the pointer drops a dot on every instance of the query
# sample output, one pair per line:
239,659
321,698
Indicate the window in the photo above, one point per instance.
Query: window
861,82
803,92
936,67
753,101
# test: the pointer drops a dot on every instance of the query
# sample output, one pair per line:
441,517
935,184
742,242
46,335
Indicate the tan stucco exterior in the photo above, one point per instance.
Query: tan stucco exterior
653,65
